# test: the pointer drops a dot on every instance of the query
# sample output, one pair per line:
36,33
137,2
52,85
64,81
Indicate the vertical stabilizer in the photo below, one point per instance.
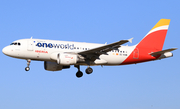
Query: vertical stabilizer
152,43
156,36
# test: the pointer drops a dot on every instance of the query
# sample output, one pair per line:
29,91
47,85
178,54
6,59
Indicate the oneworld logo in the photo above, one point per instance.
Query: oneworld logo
61,46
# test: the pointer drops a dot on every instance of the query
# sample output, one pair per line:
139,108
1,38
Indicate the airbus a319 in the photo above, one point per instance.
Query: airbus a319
58,55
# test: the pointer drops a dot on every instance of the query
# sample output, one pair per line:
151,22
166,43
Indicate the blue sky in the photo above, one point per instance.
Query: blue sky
151,85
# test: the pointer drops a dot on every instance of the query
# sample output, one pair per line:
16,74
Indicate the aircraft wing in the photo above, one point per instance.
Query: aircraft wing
105,48
162,52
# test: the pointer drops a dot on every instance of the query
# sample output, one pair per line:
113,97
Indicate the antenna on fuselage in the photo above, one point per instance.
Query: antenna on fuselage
31,37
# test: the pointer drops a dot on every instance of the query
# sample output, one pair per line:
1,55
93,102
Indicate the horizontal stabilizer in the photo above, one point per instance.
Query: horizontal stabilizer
162,52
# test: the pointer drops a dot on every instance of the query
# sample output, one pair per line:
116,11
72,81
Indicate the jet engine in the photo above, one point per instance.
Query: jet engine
53,66
64,59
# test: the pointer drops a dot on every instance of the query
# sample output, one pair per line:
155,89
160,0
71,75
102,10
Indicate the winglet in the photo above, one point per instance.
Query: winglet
130,40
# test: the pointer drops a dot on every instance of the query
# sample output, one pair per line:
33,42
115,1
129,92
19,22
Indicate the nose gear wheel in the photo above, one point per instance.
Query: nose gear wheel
28,64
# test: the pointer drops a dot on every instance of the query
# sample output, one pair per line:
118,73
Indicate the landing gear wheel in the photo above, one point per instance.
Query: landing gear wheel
89,70
28,64
27,68
79,74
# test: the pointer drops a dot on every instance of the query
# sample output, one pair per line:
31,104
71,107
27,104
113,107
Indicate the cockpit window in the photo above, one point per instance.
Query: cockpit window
16,43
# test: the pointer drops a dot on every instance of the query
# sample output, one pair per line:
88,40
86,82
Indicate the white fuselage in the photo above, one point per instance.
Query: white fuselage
38,49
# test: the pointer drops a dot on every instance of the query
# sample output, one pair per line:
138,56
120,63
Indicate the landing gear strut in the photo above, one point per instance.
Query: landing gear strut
28,64
79,73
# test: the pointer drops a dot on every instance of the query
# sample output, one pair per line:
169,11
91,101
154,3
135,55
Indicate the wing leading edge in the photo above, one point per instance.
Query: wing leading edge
104,49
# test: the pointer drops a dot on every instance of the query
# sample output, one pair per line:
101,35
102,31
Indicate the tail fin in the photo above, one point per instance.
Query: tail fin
156,36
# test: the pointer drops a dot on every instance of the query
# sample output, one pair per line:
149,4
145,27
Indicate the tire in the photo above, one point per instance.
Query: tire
79,74
27,68
89,70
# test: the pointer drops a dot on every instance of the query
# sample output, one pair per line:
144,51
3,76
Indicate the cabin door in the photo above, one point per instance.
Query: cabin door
30,45
136,53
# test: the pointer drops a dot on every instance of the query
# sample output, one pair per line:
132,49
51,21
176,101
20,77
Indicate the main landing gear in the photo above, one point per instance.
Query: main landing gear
79,74
28,64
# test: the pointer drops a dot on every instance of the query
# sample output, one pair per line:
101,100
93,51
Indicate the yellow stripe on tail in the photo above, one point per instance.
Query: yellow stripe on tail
162,22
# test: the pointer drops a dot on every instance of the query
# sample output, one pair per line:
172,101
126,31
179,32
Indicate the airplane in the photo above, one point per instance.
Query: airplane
59,55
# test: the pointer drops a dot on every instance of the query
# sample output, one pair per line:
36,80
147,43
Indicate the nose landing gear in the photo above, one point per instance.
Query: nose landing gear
28,64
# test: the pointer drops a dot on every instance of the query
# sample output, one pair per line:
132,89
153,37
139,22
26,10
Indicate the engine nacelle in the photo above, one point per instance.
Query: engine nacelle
53,66
64,59
166,55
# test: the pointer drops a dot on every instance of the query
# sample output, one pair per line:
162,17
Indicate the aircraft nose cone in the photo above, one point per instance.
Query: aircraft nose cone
5,50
